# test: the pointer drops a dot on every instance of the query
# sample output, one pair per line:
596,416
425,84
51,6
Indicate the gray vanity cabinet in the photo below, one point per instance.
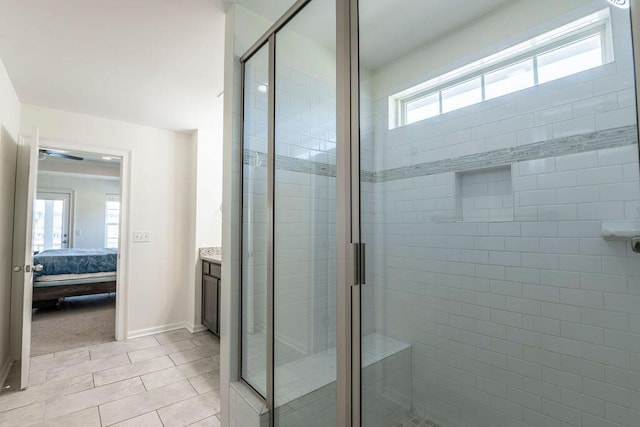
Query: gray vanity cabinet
211,273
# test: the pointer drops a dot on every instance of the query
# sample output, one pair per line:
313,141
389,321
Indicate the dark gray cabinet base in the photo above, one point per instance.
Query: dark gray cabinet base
211,273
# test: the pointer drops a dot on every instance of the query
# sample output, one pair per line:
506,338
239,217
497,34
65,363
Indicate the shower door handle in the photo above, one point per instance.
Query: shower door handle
363,264
359,265
356,264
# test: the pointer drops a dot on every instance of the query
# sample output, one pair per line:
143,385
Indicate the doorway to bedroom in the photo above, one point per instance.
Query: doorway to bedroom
76,222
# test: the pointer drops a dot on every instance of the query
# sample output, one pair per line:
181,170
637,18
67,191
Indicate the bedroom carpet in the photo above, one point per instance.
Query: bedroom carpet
77,322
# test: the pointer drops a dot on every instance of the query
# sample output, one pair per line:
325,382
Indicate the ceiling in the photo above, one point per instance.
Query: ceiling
270,9
387,34
151,62
388,30
107,161
91,165
160,62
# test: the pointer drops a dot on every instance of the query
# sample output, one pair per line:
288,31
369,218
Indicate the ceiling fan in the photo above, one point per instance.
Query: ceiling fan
51,153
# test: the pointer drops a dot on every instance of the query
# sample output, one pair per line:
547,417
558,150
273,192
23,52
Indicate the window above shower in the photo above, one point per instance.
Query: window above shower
578,46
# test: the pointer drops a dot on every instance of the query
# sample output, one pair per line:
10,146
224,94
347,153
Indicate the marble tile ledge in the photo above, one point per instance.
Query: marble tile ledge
211,254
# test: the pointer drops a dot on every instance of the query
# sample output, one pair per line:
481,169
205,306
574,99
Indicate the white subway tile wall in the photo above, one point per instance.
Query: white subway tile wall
305,210
527,317
304,205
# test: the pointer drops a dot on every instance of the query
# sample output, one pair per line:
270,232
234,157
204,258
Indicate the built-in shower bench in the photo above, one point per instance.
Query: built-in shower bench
306,388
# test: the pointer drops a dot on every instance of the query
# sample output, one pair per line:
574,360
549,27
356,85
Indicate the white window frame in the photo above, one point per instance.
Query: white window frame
575,31
111,197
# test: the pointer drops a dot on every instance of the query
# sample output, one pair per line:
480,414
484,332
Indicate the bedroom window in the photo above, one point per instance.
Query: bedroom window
112,220
578,46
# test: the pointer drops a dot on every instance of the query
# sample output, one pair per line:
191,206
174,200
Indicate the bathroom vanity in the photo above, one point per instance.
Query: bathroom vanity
211,274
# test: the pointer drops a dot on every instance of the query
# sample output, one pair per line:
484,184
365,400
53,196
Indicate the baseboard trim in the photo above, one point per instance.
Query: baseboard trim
156,330
4,372
195,328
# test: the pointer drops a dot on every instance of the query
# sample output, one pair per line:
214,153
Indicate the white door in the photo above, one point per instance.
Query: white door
51,221
21,286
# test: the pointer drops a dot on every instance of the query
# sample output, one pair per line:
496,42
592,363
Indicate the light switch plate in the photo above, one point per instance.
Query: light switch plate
141,236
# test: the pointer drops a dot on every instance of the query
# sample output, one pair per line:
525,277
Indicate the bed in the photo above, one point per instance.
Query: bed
73,272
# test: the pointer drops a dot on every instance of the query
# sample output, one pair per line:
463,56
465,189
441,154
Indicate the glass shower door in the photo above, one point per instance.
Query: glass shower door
255,222
305,218
288,304
499,193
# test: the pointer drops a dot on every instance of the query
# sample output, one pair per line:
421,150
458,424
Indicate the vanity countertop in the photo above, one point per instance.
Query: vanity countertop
211,254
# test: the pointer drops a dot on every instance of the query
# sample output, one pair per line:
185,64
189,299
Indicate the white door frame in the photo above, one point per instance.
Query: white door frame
122,273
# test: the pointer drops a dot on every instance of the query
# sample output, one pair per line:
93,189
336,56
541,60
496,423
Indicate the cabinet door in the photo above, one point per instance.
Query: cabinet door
210,303
218,286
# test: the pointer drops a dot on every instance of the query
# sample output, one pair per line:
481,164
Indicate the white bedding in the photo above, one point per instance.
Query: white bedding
56,277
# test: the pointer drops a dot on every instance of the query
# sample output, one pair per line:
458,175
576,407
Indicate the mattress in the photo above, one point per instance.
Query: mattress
75,261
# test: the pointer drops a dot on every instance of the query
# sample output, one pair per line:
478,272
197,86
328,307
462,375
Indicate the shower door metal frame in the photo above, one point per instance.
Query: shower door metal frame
634,10
348,184
348,349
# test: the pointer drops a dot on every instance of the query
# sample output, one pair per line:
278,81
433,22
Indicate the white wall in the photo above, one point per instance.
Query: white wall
9,104
160,165
9,125
206,227
209,186
88,216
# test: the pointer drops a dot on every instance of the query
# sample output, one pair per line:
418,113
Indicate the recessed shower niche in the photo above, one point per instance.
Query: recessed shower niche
484,195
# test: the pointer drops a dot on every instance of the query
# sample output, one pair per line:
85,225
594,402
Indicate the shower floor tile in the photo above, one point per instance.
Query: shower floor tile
415,421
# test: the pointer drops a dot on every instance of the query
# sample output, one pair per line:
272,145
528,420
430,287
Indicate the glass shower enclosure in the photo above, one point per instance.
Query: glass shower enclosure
439,205
289,217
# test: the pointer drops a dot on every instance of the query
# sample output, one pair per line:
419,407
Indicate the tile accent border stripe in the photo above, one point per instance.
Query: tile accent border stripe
610,138
291,164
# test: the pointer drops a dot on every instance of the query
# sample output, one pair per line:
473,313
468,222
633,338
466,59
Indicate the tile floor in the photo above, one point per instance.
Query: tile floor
415,421
168,379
